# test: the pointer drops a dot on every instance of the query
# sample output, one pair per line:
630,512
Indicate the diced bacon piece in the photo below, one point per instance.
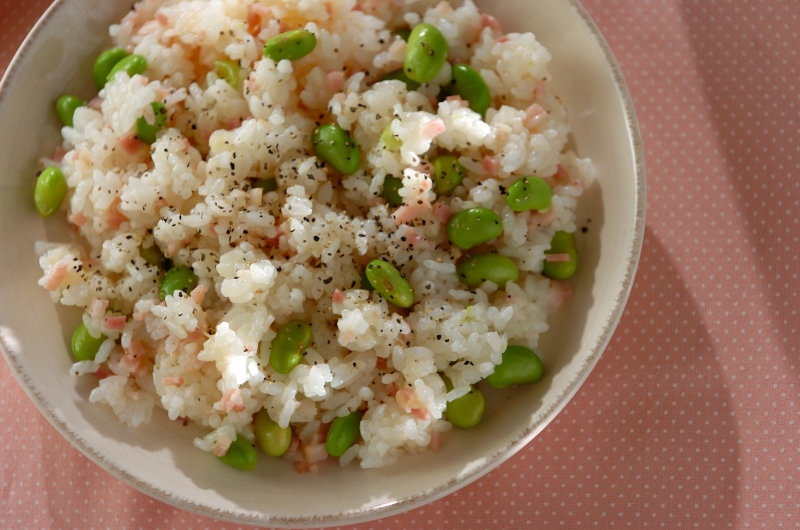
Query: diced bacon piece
347,336
407,213
391,389
255,16
533,115
102,372
198,294
232,124
114,217
442,212
173,248
58,154
405,398
131,143
543,218
491,165
294,446
436,440
304,467
557,258
335,81
380,362
432,129
221,446
562,292
488,21
541,88
421,414
461,102
232,400
96,104
561,175
56,275
77,219
504,38
172,381
337,296
115,322
161,17
97,308
315,453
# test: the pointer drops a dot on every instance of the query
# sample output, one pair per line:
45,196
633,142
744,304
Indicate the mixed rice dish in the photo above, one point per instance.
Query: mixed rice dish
314,227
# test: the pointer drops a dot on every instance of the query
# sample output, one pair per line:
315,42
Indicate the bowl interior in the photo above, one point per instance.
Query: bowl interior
158,458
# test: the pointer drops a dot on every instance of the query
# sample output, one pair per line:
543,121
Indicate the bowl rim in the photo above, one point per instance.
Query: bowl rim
10,347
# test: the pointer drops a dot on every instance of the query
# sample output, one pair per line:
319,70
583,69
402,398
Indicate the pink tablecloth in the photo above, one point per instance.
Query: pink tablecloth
691,417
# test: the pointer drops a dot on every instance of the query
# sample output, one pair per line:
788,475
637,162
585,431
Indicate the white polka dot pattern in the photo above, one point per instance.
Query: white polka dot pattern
690,418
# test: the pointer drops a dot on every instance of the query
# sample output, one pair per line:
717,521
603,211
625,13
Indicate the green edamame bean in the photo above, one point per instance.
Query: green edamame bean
65,108
400,75
289,345
389,283
365,282
267,185
241,455
291,45
343,434
426,53
403,33
466,411
391,189
84,345
178,278
335,146
50,190
273,439
520,366
147,131
493,267
106,62
469,84
472,227
447,174
562,243
389,140
529,193
132,65
229,71
153,256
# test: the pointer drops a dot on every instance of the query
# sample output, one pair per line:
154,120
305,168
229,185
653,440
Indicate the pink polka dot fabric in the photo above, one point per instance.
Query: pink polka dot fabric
690,420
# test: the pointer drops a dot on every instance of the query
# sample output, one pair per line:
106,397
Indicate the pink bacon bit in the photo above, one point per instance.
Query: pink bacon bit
391,389
421,414
198,294
488,21
221,446
162,18
232,400
97,308
335,81
533,116
131,143
255,16
442,212
77,219
461,102
102,372
436,440
406,399
56,275
172,381
557,258
561,175
337,297
314,453
408,213
58,154
562,293
114,217
117,323
432,129
232,124
491,165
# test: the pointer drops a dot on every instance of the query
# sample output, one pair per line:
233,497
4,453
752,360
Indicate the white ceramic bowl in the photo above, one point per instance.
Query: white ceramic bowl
158,458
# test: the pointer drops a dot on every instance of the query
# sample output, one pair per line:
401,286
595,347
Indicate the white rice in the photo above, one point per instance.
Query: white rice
264,259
